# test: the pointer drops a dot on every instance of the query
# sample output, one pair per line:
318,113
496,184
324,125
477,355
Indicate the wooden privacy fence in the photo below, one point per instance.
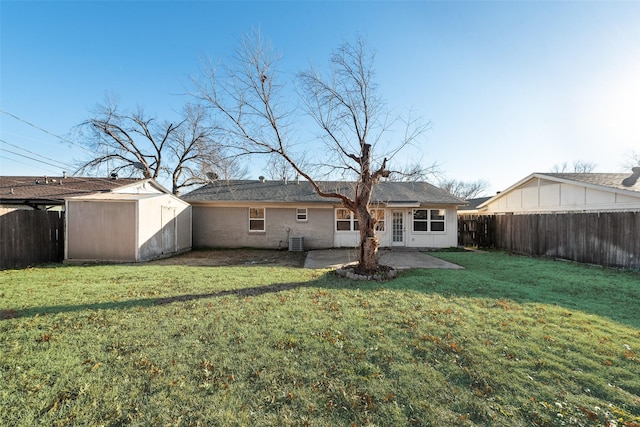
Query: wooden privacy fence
606,238
30,237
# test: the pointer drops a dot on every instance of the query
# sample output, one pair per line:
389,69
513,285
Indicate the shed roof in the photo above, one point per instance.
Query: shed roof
54,190
303,192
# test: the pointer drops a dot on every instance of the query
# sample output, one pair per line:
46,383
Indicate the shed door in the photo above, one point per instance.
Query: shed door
169,230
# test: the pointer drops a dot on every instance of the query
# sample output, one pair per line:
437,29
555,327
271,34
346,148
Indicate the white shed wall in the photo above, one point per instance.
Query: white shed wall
164,226
101,230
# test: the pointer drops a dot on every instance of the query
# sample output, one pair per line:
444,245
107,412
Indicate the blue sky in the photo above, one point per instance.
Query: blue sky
510,87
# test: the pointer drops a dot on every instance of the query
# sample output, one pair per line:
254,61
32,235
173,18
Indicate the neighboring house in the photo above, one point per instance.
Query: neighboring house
568,192
472,207
585,217
49,193
105,219
271,214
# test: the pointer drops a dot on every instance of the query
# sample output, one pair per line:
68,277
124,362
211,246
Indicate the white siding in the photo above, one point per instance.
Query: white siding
572,195
549,195
438,239
540,195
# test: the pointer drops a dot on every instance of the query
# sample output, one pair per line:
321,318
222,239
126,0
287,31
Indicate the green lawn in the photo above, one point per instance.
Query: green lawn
509,341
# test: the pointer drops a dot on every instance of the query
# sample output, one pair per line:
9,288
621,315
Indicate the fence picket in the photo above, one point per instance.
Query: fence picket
29,237
603,238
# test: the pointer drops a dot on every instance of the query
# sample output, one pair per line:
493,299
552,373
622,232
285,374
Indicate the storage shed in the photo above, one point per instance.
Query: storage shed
126,227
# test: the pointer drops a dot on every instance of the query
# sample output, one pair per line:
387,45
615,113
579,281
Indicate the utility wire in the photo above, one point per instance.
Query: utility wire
30,158
26,164
44,130
36,154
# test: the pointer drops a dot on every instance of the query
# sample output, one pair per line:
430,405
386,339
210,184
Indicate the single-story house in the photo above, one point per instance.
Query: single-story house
568,192
105,219
277,214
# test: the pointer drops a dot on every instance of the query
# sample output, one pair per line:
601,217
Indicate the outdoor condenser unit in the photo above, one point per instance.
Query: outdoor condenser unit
296,243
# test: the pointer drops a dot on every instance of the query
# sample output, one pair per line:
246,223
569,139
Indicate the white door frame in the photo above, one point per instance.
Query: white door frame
398,229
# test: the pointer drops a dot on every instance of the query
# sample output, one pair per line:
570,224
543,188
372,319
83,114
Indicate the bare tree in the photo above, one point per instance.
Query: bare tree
464,190
579,166
277,168
417,172
134,142
633,160
352,120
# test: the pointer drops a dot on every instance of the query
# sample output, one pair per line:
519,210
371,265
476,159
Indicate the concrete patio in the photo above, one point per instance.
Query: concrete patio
399,259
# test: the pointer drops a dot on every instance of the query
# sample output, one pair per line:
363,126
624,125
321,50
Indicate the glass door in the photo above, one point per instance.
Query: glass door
397,228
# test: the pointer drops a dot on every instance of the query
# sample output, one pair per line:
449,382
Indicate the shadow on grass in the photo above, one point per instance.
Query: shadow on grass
601,292
147,302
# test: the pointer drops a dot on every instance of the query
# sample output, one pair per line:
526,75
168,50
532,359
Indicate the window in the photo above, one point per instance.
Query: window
301,214
425,220
420,220
437,219
346,220
256,219
378,214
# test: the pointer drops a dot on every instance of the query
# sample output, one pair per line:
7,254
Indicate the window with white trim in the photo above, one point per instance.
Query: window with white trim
256,219
301,214
346,220
428,220
378,214
437,220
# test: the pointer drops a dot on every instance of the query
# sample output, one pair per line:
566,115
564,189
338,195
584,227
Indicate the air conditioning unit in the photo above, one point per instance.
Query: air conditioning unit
296,243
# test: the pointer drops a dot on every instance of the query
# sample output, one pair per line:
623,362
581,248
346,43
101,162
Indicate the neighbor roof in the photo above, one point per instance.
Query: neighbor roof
474,203
54,190
303,192
620,181
624,183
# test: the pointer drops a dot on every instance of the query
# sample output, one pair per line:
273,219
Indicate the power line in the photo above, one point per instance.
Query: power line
30,158
44,130
36,154
26,164
35,140
54,173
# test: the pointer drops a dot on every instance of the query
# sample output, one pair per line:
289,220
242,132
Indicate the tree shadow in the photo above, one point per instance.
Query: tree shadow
6,314
615,298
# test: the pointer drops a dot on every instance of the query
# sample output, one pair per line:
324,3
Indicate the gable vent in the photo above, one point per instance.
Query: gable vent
296,243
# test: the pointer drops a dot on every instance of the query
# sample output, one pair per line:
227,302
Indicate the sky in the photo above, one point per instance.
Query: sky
509,87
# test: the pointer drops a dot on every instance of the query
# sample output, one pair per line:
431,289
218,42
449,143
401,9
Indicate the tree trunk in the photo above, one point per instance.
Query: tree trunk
369,255
368,242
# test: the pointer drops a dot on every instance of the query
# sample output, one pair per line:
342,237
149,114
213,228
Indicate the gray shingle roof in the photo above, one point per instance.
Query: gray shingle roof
34,189
303,192
621,181
474,203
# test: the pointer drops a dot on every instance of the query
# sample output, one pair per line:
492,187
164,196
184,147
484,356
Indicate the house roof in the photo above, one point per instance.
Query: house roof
620,181
54,190
474,203
302,192
625,183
